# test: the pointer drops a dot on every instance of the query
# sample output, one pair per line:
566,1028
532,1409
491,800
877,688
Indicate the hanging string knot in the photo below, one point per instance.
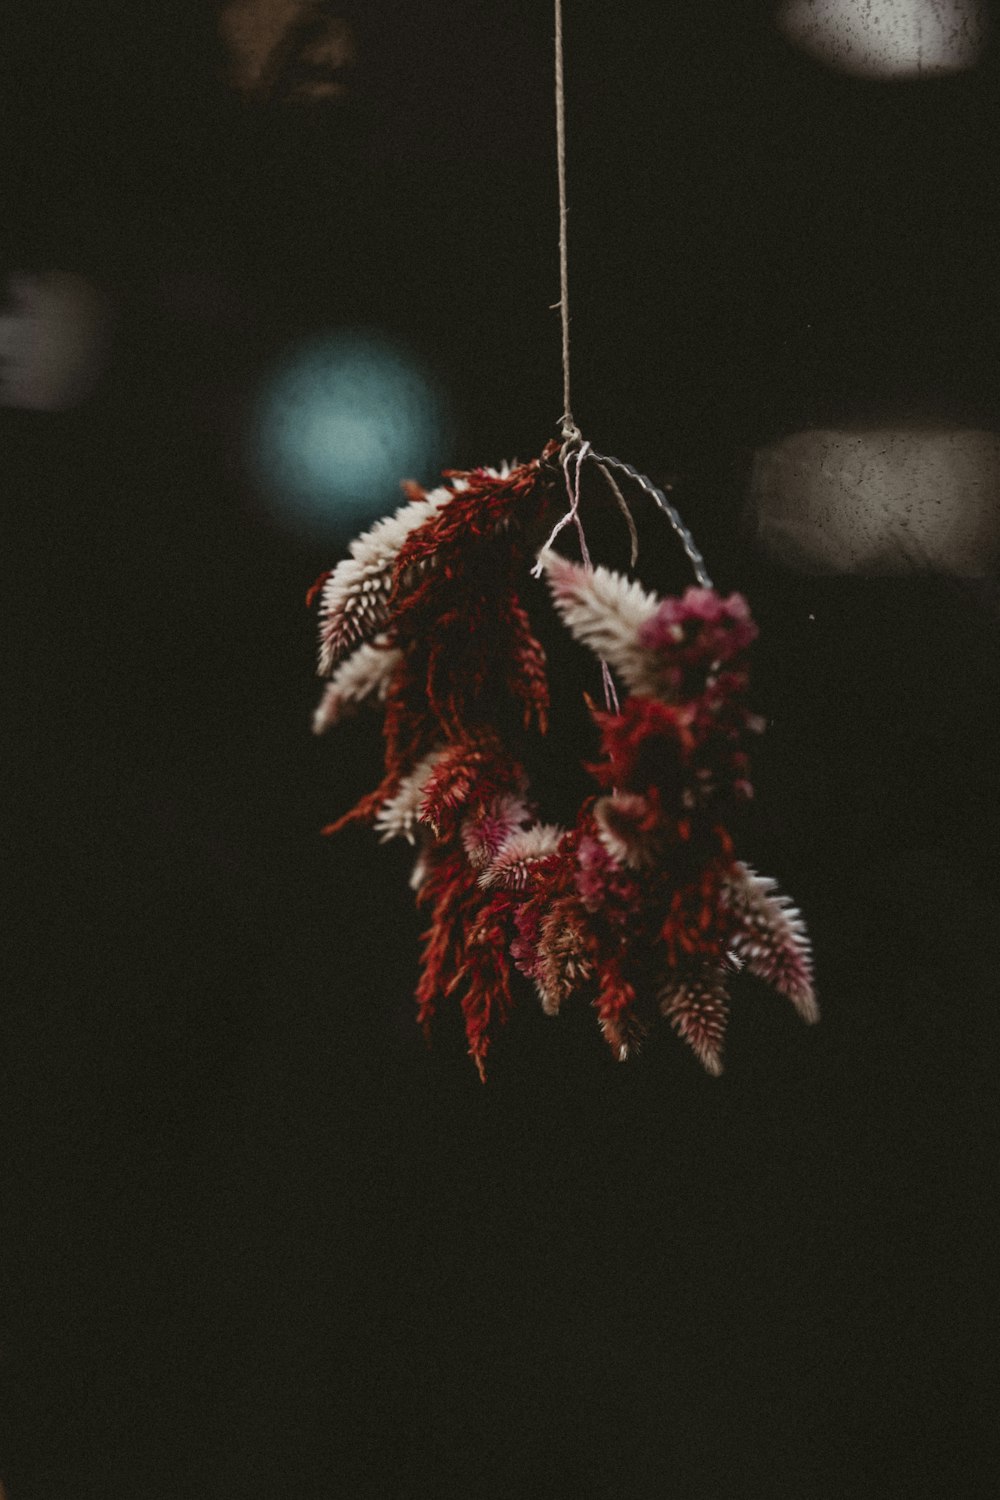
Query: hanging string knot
577,450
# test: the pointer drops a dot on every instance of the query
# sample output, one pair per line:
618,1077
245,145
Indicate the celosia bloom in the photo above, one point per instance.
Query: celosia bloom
521,859
354,596
627,826
641,904
697,1006
366,673
399,814
564,958
602,883
606,612
484,833
770,938
699,628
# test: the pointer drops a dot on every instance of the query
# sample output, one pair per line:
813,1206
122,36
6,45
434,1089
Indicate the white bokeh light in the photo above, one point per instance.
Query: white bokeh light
880,501
888,38
53,338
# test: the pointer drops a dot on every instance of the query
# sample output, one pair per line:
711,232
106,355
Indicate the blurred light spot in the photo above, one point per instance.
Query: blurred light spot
888,38
880,502
342,422
53,336
288,49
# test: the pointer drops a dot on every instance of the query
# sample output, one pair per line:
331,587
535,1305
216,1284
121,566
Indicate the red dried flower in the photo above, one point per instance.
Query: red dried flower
565,953
615,1005
527,680
649,743
601,882
467,777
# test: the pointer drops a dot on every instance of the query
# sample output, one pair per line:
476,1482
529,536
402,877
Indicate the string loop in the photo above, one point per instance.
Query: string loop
579,452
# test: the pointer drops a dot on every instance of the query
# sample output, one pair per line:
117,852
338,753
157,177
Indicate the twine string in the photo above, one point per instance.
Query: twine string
623,506
570,431
574,450
610,693
573,513
584,452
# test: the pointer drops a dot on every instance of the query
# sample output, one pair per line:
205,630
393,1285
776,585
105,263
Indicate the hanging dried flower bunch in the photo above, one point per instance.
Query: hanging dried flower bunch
641,906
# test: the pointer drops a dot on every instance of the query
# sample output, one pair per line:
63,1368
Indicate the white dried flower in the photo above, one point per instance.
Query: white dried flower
605,611
366,673
399,816
354,599
423,863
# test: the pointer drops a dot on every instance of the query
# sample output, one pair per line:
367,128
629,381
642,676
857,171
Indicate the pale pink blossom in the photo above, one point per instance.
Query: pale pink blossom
697,1007
483,835
771,939
520,858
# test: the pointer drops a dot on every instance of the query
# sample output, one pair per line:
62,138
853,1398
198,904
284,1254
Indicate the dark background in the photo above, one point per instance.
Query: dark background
255,1238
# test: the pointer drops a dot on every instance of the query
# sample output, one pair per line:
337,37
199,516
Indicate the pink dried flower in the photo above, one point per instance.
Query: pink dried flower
700,628
484,833
601,883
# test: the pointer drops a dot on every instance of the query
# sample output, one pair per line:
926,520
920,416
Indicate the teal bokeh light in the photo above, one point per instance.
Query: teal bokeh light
344,418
